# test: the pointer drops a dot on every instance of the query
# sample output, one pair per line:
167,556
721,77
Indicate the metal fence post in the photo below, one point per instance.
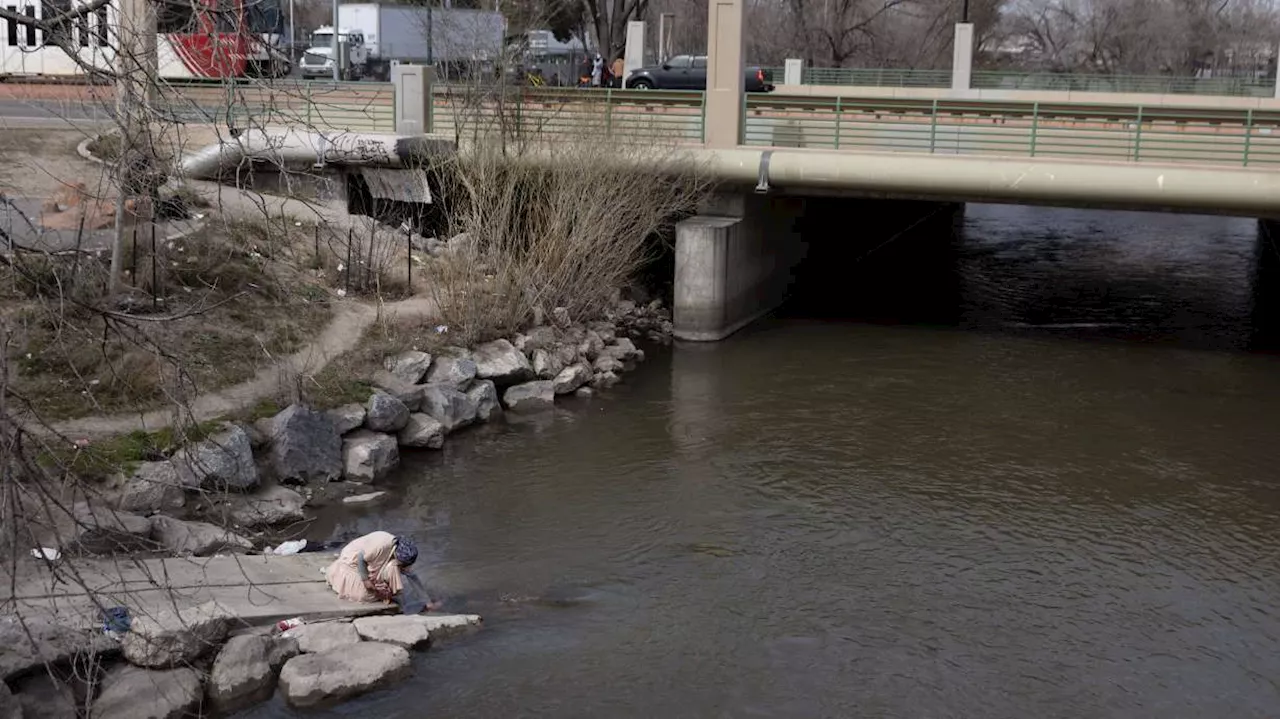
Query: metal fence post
1035,125
1137,138
608,112
838,122
933,127
1248,134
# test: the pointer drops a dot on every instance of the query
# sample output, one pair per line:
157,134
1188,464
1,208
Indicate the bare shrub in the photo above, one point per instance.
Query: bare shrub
560,225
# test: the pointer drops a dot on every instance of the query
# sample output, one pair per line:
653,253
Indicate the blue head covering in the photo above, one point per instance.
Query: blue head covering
406,551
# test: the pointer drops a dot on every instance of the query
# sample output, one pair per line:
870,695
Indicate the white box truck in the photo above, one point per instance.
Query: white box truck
374,35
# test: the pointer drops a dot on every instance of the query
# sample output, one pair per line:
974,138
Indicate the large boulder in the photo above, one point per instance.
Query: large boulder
305,446
245,671
368,456
604,380
318,679
135,693
10,706
346,418
199,539
608,363
95,529
567,353
409,394
607,331
501,362
43,697
222,461
169,639
409,366
448,406
538,338
402,631
268,506
384,413
571,378
455,369
323,637
591,346
29,645
443,626
485,395
546,363
530,396
422,431
153,487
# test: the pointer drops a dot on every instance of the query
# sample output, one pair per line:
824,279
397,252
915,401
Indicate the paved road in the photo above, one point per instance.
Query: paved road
51,113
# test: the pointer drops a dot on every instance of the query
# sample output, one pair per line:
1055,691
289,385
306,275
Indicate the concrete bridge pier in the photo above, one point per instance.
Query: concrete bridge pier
1265,314
734,263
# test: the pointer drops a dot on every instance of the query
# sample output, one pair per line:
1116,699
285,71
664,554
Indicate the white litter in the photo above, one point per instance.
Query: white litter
46,553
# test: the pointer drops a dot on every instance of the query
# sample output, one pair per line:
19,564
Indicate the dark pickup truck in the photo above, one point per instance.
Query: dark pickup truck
689,72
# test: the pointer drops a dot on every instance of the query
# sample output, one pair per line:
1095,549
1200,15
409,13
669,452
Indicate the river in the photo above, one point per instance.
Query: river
1060,502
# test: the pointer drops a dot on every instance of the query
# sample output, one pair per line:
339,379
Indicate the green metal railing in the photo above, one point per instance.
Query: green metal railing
1123,133
1010,80
572,113
350,106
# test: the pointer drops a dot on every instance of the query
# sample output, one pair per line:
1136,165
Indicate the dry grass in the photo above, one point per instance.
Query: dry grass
346,378
234,310
564,228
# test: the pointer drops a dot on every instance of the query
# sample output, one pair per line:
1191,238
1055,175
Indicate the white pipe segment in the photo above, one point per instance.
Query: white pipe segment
293,147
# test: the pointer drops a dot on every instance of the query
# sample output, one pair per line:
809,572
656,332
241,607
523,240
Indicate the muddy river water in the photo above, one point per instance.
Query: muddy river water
1062,501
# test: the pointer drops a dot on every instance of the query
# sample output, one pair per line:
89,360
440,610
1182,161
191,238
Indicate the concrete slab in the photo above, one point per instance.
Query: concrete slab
259,589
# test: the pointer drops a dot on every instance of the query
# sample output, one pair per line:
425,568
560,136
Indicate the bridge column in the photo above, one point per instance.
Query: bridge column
1264,318
412,85
793,71
725,74
733,263
962,57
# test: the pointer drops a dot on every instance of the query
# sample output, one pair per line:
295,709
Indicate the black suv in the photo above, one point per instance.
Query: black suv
689,72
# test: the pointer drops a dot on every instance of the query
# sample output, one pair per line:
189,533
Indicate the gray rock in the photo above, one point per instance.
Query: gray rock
195,538
409,366
169,639
384,413
402,631
638,356
546,364
366,498
10,706
443,626
346,418
410,395
31,644
454,370
448,406
501,362
422,431
530,396
574,335
608,363
607,331
369,456
485,395
566,353
267,506
257,440
93,529
305,446
571,378
604,380
43,697
245,671
584,392
323,637
134,693
560,316
153,487
317,679
592,345
539,338
223,461
623,349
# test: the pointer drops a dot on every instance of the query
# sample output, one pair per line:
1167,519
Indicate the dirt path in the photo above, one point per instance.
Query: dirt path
344,330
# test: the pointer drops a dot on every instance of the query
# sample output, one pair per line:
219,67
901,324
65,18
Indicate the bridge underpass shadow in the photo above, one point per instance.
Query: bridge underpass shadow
1195,281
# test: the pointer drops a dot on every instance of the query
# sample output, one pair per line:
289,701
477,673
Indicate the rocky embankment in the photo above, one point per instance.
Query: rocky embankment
187,663
215,495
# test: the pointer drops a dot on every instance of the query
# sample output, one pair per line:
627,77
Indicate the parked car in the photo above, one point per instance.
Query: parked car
689,72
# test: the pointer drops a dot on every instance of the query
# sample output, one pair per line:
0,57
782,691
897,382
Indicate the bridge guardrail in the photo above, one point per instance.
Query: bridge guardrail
351,106
571,113
1033,81
1103,132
